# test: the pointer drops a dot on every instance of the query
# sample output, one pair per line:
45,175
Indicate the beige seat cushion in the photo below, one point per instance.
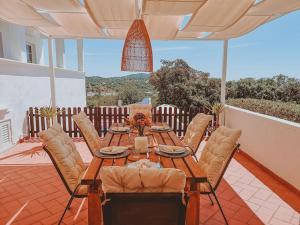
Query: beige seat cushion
124,179
64,153
216,153
196,130
140,108
88,131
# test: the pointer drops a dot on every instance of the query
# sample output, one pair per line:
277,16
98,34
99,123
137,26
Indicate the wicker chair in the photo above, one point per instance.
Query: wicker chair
196,131
215,159
88,131
67,161
143,196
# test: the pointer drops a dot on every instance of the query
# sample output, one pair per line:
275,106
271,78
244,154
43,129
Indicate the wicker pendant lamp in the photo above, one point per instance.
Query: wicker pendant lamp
137,50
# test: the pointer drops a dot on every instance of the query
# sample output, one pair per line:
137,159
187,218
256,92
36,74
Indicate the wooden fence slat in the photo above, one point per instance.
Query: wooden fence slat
69,115
103,117
175,120
104,121
126,115
64,118
109,116
96,118
120,115
115,115
31,123
160,114
74,124
37,122
170,117
154,115
180,122
185,120
99,115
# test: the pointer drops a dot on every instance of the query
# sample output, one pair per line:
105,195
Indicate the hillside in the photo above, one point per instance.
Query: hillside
115,84
105,91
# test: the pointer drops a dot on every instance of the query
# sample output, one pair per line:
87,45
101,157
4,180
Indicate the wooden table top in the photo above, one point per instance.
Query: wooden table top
187,164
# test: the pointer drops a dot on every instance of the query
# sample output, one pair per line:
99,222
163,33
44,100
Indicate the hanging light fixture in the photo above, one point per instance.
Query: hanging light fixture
137,50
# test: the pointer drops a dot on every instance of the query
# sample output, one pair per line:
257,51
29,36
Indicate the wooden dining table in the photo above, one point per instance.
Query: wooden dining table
193,172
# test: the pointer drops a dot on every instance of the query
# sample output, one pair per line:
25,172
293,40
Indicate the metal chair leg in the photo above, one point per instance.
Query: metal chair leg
211,201
67,207
195,157
214,194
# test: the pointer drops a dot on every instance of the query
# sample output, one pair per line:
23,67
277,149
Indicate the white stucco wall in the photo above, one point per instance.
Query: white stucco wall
14,38
273,142
23,85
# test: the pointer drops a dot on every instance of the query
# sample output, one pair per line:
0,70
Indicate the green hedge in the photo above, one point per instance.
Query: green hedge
284,110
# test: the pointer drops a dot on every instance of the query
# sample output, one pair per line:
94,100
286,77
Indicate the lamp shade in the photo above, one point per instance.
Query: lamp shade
137,50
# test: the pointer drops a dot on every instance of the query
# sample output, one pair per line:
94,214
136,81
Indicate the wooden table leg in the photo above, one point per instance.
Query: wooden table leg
193,209
94,206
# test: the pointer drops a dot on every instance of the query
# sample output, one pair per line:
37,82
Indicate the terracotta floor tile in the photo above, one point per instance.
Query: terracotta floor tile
243,215
39,183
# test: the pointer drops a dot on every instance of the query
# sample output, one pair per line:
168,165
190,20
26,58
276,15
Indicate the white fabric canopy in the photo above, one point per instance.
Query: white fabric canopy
222,19
217,15
171,7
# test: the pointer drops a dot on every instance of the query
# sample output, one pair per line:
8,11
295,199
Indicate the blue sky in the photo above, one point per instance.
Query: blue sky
271,49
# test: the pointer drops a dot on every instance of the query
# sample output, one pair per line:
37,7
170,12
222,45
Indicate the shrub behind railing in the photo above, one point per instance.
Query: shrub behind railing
284,110
104,117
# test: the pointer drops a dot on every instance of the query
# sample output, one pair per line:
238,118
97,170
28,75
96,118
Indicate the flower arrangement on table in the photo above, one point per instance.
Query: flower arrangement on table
139,121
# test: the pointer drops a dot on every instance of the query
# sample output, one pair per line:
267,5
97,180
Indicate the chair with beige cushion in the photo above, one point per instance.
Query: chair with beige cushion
143,196
67,161
215,159
88,131
196,131
140,108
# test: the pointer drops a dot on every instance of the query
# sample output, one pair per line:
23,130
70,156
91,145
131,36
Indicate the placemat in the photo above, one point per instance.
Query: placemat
161,131
118,132
186,153
117,156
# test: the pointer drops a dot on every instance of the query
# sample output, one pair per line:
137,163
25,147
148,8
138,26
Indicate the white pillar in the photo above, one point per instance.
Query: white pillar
80,55
60,52
51,73
224,72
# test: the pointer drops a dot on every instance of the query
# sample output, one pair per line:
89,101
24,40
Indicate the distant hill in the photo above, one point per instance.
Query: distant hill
101,85
130,76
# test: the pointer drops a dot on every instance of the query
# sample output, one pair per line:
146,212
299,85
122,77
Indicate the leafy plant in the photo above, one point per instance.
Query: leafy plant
216,108
49,113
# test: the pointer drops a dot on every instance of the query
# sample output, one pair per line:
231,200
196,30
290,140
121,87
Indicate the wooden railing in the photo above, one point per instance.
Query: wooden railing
104,117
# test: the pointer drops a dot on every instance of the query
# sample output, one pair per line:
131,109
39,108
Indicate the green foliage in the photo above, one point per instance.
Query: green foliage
277,88
96,101
105,91
284,110
179,84
131,94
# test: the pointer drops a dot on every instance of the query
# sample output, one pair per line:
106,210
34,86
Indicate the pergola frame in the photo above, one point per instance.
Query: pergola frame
80,60
80,66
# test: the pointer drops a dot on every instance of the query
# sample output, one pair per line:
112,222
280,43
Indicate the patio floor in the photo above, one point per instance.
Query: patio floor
31,192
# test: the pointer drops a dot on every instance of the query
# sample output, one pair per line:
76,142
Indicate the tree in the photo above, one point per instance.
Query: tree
179,84
131,94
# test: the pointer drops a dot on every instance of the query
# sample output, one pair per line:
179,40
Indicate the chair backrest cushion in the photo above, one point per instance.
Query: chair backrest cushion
195,130
123,179
63,151
88,131
140,108
217,152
